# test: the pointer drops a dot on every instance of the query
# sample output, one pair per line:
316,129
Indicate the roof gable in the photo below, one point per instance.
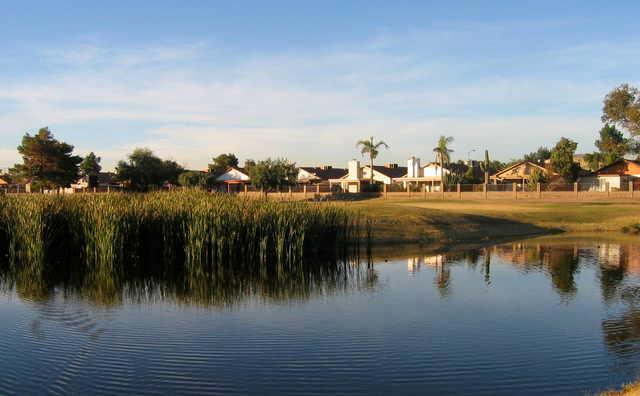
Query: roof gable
233,173
389,172
519,170
622,167
322,173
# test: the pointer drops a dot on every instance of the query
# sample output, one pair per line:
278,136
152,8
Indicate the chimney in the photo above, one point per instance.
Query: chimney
413,167
325,167
391,166
355,171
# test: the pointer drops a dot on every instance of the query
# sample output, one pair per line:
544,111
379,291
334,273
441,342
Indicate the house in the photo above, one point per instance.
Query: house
321,174
357,176
519,173
234,178
429,175
101,179
618,174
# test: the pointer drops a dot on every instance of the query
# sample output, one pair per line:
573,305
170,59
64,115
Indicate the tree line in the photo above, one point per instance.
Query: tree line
49,164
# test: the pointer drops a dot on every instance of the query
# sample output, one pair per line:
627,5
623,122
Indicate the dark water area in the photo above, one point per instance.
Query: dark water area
557,315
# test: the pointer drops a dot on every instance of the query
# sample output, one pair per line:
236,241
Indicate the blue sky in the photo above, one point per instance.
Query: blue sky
305,80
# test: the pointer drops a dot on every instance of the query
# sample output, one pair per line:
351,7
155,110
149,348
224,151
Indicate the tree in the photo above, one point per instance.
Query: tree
622,107
486,166
46,162
143,169
612,146
196,179
89,168
539,156
271,174
537,176
222,162
368,146
442,154
562,159
470,176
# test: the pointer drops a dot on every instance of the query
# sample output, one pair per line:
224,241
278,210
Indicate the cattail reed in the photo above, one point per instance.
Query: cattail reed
204,235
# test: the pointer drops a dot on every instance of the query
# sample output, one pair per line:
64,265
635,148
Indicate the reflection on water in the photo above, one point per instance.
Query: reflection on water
219,288
548,315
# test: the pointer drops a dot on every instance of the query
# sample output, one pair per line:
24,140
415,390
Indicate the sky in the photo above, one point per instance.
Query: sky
305,80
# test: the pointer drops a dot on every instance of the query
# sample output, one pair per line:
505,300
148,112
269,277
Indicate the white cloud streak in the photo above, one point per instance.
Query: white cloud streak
186,103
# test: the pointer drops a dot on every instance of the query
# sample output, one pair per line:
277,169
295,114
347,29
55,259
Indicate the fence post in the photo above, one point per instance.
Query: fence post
318,189
575,189
108,189
608,190
514,187
485,190
443,188
290,192
304,190
631,189
384,191
424,191
94,189
539,190
409,189
459,191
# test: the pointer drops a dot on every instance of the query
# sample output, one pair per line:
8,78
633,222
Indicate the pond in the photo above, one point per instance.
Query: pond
546,315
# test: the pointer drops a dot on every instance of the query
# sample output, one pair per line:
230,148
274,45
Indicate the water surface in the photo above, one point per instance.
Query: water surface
550,315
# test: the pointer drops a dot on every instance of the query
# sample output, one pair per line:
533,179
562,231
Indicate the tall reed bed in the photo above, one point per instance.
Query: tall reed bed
117,235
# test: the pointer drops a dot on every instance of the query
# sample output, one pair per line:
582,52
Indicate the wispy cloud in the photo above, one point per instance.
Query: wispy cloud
188,102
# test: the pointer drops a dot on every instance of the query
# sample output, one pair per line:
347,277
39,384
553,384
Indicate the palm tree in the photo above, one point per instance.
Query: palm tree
368,146
442,155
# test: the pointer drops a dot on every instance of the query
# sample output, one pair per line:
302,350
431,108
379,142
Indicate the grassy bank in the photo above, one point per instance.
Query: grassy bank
428,222
632,389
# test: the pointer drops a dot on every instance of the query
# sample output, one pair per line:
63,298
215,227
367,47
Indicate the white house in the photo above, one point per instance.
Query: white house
361,175
428,175
233,174
616,176
234,178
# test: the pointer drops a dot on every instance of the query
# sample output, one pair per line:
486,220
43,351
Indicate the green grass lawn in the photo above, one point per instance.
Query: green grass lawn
417,221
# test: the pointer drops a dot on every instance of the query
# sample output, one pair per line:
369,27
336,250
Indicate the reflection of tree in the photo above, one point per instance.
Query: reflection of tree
610,279
443,278
560,262
471,257
487,267
563,263
622,332
220,287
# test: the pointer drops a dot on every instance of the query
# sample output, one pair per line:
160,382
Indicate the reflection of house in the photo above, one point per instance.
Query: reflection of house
520,173
357,176
415,263
315,175
619,173
616,255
